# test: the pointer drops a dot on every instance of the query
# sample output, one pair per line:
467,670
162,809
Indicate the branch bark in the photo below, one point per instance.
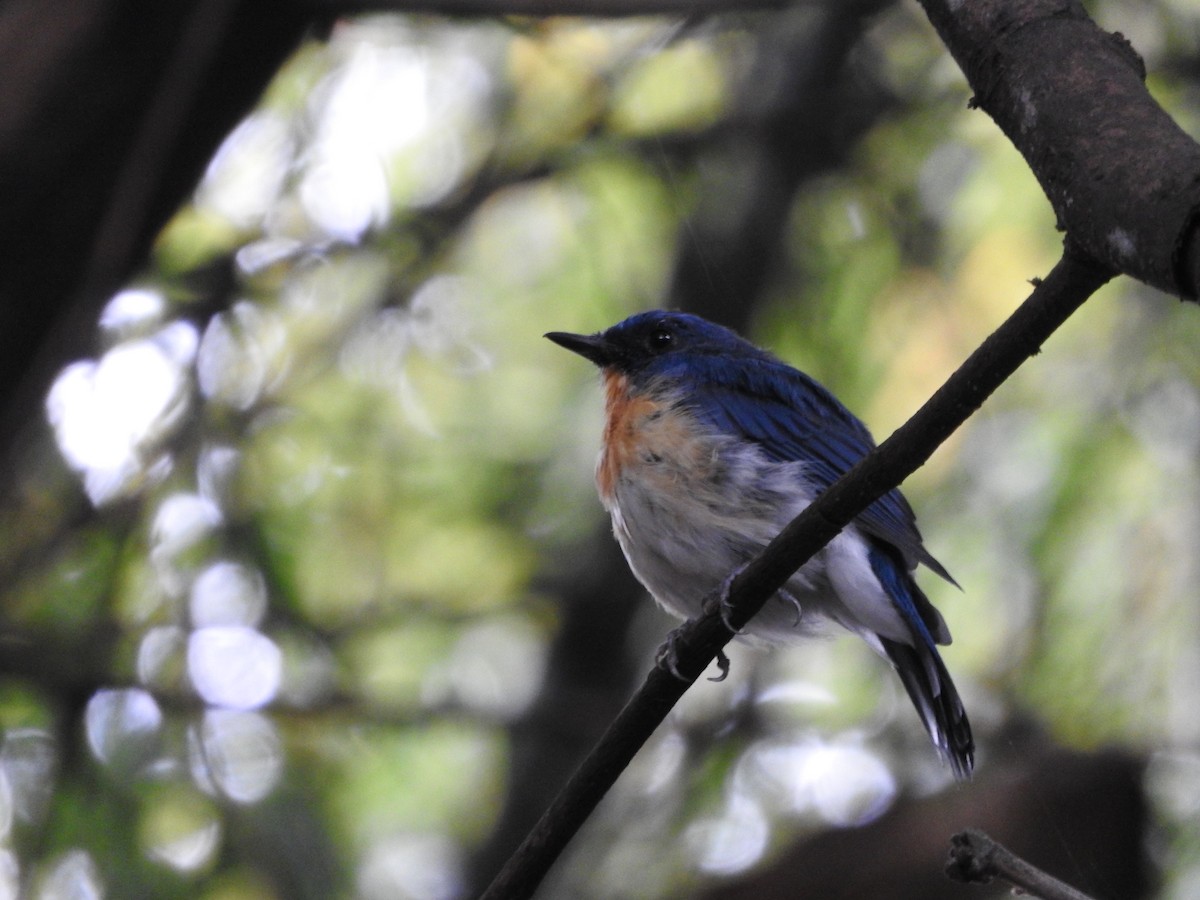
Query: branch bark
543,8
1071,282
109,113
1123,177
977,859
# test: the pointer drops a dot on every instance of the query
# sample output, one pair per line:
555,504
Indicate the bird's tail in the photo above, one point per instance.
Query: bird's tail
932,692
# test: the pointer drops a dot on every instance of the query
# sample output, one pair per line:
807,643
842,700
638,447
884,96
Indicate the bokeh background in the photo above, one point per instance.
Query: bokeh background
307,592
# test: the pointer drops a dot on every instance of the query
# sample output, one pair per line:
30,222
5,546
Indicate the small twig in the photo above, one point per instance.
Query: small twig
976,859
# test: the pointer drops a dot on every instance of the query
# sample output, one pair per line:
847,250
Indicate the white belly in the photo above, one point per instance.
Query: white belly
684,536
690,508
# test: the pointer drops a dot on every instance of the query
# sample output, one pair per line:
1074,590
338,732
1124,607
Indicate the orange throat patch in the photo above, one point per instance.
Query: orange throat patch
624,414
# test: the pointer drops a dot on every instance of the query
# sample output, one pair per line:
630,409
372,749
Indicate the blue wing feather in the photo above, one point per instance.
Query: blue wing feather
740,390
921,669
792,417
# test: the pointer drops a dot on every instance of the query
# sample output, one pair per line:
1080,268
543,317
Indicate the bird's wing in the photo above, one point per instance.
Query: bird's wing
792,417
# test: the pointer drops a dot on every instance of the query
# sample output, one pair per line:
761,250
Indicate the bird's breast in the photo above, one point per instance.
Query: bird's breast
689,503
651,437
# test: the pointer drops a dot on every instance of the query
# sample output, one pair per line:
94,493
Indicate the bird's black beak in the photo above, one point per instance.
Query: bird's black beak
593,347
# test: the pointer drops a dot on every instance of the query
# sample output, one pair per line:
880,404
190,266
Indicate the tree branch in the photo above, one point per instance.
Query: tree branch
543,8
110,111
1070,283
976,859
1123,178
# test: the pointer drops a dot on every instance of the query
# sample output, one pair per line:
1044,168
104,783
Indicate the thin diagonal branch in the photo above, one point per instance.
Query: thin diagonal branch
1071,282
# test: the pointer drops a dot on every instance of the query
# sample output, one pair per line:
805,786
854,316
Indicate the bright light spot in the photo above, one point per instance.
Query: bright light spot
375,78
411,866
345,190
7,811
1173,782
530,228
183,520
28,760
248,171
122,725
797,692
228,593
443,314
1166,419
10,876
132,308
856,219
440,321
180,830
243,352
234,666
258,255
942,176
843,784
108,414
311,672
159,654
188,852
72,877
236,754
731,842
849,786
497,666
215,472
178,341
346,199
376,350
662,764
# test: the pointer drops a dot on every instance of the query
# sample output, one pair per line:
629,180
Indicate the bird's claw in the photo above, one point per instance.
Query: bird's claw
789,597
719,600
667,658
723,665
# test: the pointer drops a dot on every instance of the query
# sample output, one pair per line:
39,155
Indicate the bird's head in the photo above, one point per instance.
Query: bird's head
656,343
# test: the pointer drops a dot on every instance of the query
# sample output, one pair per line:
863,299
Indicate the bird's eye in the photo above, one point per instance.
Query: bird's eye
660,339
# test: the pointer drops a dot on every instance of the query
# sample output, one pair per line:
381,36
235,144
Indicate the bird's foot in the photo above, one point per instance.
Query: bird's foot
667,658
723,665
788,597
719,600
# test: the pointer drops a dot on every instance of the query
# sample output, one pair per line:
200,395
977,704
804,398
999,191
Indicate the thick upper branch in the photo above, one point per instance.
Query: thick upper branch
1123,178
539,8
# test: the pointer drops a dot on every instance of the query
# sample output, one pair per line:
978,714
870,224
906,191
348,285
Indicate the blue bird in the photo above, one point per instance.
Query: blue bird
710,447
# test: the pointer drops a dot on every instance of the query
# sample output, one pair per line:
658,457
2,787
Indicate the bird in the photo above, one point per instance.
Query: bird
710,446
